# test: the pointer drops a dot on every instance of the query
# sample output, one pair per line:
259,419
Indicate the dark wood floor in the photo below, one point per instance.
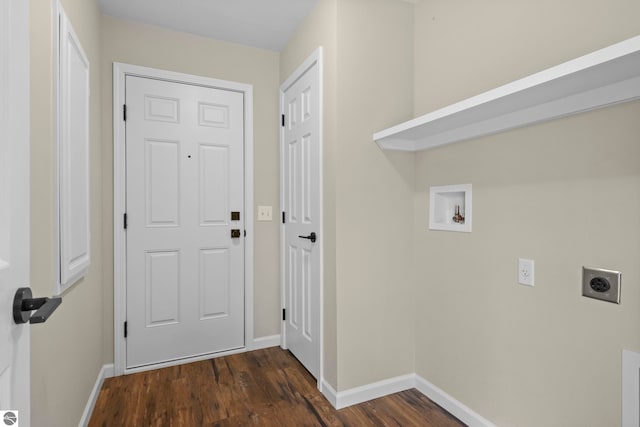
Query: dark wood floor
265,388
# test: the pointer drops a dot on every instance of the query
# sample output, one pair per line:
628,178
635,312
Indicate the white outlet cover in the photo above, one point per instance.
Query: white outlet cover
525,272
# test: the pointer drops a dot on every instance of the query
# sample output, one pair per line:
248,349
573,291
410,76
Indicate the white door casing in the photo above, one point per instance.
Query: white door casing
14,204
121,74
301,195
185,284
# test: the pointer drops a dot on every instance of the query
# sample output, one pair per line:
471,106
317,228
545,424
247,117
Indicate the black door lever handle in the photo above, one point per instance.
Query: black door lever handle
311,237
24,304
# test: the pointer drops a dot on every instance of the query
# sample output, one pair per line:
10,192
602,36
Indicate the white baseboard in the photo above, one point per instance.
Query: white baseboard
342,399
106,371
353,396
329,393
450,404
265,342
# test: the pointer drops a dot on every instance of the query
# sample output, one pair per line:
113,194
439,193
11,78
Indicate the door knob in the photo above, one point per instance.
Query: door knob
311,237
24,304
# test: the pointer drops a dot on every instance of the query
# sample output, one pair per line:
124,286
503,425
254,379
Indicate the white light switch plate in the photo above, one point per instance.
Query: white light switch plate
265,213
525,272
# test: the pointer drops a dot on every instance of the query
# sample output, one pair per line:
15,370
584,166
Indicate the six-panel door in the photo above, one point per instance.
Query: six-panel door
301,186
185,273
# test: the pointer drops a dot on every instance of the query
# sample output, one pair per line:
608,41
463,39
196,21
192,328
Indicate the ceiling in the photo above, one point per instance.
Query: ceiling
266,24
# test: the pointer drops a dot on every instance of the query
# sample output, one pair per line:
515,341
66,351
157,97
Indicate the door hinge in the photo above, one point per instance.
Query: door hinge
284,314
283,217
125,329
283,120
124,221
124,112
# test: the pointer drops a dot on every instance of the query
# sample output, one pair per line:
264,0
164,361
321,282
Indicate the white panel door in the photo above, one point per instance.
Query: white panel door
185,271
14,203
301,203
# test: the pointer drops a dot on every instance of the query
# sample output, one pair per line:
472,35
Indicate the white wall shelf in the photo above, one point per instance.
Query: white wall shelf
600,79
450,208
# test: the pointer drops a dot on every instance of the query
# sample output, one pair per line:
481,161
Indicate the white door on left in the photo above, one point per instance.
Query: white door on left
14,205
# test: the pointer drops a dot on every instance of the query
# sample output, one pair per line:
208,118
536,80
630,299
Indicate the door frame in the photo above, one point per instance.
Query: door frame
120,71
316,58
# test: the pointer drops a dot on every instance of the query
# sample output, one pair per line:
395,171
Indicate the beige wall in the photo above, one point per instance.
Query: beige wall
149,46
374,191
66,352
465,47
557,193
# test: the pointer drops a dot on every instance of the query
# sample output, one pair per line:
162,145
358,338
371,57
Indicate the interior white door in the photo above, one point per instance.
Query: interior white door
185,177
301,205
14,203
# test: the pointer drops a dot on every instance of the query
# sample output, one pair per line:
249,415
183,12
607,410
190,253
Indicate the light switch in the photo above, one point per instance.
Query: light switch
265,213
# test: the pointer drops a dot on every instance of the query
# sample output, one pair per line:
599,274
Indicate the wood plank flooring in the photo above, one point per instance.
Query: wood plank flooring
260,388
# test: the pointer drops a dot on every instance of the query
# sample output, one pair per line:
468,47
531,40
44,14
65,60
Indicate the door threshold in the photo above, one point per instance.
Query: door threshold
183,361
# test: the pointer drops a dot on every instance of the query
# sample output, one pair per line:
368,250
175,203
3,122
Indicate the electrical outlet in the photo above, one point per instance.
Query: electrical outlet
265,213
601,284
525,272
